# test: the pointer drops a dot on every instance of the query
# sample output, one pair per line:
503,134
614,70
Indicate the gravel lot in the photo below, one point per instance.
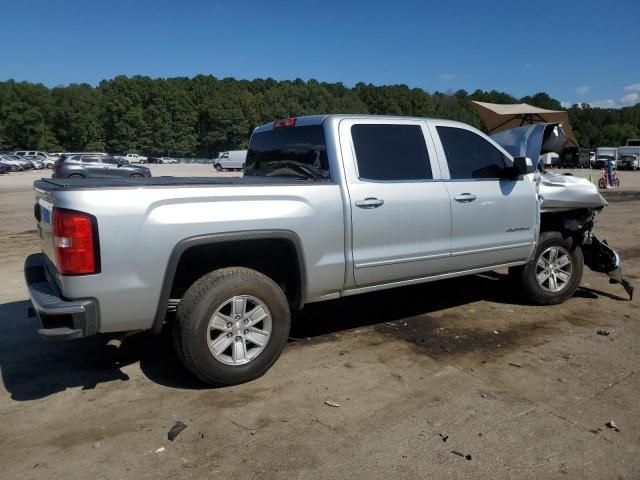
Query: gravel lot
418,373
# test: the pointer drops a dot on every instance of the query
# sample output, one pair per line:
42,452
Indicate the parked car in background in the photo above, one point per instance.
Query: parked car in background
96,166
603,160
154,160
168,160
26,164
46,158
231,160
4,169
604,155
629,158
135,158
13,165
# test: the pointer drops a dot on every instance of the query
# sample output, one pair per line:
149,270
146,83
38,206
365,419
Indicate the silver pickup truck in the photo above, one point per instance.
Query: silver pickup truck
329,206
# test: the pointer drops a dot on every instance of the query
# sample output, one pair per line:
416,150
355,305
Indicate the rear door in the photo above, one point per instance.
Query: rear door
494,221
400,209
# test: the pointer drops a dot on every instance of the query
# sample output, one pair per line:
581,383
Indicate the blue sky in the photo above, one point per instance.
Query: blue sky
577,51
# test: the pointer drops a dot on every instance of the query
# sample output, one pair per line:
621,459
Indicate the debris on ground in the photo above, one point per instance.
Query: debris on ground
483,395
603,332
443,436
175,430
496,332
515,365
460,454
332,404
612,425
160,450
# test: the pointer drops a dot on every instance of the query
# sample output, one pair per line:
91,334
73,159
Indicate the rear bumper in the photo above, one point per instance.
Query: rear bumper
60,319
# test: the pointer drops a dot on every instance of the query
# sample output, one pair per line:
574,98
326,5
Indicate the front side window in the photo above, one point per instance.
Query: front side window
109,160
470,156
391,152
86,159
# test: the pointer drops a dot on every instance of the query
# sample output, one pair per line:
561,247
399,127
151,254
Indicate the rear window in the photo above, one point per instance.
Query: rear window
294,152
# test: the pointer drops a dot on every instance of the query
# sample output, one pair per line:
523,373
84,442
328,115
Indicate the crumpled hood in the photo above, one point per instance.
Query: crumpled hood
557,192
567,192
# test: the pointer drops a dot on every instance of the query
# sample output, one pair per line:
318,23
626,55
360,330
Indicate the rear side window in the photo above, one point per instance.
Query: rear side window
86,159
470,156
295,152
391,152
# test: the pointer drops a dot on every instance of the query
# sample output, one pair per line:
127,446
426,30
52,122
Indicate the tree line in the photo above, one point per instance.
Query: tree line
203,115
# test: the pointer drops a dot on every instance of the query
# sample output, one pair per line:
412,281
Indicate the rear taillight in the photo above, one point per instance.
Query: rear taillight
76,242
287,122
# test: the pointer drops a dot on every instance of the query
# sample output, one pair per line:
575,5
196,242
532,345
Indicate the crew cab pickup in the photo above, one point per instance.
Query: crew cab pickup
329,206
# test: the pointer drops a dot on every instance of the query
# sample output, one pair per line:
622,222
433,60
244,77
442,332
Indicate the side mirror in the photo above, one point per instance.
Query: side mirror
523,165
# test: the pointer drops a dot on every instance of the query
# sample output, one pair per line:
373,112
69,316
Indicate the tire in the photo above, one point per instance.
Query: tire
543,293
602,184
218,168
76,175
214,296
136,175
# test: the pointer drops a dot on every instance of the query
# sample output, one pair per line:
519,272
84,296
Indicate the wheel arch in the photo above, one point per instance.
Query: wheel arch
253,237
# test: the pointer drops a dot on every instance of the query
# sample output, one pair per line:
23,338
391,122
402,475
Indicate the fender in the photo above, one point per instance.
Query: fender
213,238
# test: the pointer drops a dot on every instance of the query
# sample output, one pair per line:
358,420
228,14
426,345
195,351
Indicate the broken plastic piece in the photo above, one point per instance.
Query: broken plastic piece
175,430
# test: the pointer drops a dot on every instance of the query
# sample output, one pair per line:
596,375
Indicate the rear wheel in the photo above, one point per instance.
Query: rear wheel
217,167
602,184
231,326
136,175
554,272
76,175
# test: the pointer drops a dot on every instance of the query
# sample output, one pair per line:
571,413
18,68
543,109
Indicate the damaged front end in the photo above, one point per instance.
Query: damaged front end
598,255
568,204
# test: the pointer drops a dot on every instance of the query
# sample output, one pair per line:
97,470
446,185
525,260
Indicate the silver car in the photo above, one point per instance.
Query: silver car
97,166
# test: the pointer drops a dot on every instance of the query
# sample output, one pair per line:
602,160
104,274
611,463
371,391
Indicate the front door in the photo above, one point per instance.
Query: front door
494,220
400,209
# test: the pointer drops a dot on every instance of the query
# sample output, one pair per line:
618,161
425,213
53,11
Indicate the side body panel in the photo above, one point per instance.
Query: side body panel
140,227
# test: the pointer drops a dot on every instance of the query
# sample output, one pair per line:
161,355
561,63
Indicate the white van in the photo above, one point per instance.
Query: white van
231,160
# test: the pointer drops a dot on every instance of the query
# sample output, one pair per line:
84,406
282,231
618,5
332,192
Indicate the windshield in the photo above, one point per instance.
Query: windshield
298,152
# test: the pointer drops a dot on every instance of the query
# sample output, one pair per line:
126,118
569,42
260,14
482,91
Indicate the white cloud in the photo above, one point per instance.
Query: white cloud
564,104
528,64
634,87
604,104
630,98
447,76
583,90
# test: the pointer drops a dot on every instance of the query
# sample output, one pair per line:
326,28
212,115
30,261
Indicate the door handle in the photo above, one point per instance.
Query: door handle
369,202
465,198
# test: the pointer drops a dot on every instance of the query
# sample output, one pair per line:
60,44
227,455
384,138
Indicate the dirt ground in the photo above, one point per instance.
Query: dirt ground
456,379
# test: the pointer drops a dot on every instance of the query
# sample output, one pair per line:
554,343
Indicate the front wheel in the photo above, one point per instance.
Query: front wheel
218,168
231,326
554,272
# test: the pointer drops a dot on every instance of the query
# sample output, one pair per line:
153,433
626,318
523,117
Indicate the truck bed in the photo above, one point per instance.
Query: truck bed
55,184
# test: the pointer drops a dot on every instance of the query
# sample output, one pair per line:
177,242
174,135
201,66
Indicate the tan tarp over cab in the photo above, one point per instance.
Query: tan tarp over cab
498,117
